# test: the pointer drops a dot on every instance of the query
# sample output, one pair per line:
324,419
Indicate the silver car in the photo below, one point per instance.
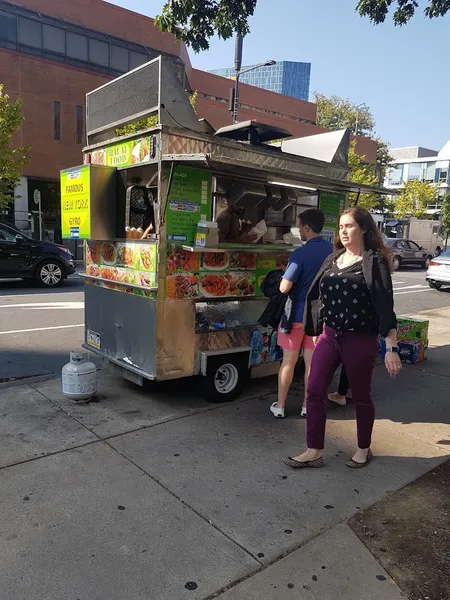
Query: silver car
407,252
438,273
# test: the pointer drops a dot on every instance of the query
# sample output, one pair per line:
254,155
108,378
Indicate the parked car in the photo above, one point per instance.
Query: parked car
438,273
407,252
22,257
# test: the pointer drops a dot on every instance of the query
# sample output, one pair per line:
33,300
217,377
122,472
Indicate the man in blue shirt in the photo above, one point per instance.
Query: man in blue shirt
303,267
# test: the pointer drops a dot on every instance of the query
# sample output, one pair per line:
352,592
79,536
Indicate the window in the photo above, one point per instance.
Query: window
414,172
428,171
56,120
414,246
6,235
79,117
54,39
8,27
77,46
99,53
443,175
119,59
137,59
30,33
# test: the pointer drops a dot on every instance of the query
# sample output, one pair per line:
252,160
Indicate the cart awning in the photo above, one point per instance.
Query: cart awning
309,181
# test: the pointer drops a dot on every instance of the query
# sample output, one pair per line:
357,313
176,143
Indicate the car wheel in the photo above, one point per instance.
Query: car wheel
224,381
397,263
435,286
426,263
50,273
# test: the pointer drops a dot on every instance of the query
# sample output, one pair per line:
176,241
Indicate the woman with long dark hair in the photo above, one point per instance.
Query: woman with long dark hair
349,304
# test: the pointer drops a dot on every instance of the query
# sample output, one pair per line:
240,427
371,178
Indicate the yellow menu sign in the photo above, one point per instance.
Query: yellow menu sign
75,203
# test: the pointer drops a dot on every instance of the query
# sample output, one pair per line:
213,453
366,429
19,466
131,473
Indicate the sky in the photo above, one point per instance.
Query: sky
395,71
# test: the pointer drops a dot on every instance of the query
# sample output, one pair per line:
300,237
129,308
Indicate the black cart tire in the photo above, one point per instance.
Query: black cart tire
435,286
397,263
50,273
225,378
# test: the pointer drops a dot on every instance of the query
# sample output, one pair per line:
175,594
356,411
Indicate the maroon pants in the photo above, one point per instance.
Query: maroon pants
358,353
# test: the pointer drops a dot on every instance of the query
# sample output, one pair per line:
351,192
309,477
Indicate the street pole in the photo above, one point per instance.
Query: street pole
356,124
40,218
237,69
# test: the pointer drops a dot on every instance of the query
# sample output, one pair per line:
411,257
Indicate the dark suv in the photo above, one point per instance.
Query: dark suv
407,252
20,256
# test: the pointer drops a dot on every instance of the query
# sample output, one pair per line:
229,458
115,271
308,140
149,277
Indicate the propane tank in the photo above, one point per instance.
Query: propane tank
79,377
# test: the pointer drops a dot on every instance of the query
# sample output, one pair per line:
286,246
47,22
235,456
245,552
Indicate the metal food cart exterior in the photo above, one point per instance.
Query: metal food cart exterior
162,308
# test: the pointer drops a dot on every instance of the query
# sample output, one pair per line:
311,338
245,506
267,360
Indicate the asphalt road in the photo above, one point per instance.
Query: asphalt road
39,328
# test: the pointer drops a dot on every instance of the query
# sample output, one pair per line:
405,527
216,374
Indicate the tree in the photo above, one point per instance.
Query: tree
341,113
446,216
414,199
11,159
362,173
404,10
196,21
338,113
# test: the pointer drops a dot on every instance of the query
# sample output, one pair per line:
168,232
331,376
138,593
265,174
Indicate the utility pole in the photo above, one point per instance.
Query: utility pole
237,71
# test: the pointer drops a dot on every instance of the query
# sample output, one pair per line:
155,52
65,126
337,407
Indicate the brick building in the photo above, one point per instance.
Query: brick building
52,52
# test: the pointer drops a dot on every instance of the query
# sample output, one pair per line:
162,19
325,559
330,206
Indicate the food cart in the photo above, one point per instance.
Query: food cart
161,307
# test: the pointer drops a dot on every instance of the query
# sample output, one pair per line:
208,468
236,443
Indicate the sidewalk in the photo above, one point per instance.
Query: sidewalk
161,496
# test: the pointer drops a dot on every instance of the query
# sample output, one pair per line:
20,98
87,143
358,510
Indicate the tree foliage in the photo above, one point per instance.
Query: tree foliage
338,113
334,112
403,10
11,159
446,214
414,199
194,22
138,126
362,173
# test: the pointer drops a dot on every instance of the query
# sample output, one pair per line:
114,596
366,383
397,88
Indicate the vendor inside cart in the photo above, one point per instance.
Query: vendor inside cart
231,226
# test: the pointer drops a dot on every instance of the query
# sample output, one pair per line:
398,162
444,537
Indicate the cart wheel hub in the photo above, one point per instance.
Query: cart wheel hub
226,378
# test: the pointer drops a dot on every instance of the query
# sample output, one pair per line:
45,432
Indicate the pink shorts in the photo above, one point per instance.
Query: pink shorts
296,340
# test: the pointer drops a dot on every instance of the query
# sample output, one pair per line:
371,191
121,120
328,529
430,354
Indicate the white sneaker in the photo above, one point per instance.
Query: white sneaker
276,411
303,413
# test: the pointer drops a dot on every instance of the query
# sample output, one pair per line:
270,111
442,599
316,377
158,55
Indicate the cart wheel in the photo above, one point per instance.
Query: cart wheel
225,378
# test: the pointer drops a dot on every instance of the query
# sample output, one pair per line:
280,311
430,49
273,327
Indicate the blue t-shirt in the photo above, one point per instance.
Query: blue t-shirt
303,266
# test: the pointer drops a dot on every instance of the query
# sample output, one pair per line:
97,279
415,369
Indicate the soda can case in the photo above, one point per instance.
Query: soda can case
410,352
264,347
412,330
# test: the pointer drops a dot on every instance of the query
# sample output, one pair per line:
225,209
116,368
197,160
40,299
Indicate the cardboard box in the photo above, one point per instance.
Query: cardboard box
410,352
412,329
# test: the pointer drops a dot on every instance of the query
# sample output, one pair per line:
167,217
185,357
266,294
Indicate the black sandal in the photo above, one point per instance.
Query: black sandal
352,464
296,464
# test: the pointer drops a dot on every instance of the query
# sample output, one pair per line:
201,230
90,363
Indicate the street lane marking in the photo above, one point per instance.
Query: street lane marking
40,329
46,305
411,287
413,292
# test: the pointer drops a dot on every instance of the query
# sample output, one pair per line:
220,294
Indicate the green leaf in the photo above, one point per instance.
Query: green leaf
11,159
195,22
414,199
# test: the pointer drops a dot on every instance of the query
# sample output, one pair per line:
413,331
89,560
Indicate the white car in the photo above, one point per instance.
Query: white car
438,273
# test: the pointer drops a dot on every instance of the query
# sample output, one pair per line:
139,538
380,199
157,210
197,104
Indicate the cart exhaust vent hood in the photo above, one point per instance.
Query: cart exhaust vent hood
155,88
247,194
254,134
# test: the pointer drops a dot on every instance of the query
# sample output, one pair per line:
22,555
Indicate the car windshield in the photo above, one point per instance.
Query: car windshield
390,242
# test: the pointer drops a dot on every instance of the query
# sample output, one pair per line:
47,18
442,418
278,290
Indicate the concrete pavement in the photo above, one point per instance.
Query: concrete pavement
159,495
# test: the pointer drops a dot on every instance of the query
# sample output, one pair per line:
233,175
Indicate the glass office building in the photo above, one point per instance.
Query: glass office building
285,77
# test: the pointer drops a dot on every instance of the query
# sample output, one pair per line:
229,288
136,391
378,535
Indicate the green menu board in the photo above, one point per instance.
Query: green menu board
331,204
189,199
